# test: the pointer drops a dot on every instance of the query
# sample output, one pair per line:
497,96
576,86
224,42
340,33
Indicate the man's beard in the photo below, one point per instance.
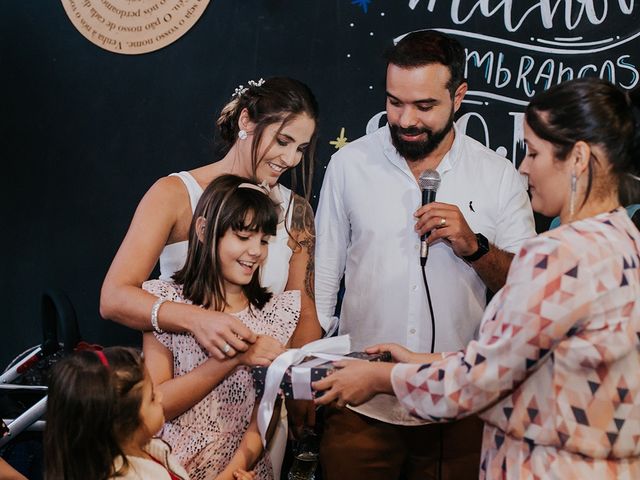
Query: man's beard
417,150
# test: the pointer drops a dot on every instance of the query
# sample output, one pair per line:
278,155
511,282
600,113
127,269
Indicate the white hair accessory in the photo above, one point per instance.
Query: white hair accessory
241,89
253,83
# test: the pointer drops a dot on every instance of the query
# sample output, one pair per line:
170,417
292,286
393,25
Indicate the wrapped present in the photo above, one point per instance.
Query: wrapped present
324,350
296,381
295,369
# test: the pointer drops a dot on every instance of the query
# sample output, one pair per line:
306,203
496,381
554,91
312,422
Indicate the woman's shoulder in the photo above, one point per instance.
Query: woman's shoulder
606,228
172,187
586,242
168,197
543,252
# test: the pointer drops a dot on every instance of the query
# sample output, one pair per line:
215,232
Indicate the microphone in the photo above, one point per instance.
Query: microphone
429,181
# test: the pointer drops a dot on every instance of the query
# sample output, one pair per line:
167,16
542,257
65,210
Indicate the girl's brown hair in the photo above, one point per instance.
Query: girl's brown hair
225,204
92,409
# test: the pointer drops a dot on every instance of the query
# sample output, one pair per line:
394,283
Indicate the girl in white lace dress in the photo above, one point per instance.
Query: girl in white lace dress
212,427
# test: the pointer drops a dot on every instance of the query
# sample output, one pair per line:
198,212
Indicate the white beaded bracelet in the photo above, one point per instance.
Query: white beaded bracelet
154,314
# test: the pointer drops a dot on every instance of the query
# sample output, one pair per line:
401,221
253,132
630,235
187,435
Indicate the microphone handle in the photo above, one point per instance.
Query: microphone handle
428,196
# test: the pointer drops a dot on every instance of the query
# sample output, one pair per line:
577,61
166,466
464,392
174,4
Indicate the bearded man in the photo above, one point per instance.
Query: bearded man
368,225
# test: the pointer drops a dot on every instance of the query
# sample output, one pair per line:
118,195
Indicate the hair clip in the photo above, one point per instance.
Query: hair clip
259,83
102,357
241,89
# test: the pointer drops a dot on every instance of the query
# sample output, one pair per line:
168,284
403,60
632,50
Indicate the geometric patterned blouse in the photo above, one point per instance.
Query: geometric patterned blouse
555,371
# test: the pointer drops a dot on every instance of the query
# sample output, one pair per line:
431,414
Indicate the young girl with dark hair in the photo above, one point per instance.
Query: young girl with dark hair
212,428
102,413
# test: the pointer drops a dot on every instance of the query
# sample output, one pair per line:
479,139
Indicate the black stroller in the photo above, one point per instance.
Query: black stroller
23,390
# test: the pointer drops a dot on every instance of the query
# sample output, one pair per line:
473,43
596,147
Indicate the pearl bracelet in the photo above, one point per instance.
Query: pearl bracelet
154,314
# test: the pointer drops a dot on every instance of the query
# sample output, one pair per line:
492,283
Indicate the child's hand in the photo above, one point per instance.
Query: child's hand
262,352
244,475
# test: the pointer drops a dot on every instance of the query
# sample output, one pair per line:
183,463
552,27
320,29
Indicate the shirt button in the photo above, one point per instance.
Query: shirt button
412,331
417,247
414,288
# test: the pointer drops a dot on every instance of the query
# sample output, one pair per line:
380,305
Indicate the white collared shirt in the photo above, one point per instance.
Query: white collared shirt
365,229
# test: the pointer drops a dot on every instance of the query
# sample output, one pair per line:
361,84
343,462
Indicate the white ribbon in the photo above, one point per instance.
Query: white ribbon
326,349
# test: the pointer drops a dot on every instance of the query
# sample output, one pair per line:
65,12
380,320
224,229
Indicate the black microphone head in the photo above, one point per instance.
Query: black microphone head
429,180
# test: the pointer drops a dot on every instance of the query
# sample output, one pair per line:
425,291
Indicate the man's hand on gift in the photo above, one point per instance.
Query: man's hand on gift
301,415
354,382
401,354
261,353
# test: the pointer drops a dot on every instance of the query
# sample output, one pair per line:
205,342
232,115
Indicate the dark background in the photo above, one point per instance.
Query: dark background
85,132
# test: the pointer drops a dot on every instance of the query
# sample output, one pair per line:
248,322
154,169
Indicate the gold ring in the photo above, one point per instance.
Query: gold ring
443,221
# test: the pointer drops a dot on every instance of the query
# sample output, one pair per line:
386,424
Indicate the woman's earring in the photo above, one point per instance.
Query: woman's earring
242,134
572,197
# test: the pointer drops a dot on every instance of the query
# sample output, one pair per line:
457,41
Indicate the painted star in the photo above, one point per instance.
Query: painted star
341,141
364,4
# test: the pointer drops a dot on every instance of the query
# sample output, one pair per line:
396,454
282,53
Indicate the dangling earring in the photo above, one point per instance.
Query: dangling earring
572,197
242,134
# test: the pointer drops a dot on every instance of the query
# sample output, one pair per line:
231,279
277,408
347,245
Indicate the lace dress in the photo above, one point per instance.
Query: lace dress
205,437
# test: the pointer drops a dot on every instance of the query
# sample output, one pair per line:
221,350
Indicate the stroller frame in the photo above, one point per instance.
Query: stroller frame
57,314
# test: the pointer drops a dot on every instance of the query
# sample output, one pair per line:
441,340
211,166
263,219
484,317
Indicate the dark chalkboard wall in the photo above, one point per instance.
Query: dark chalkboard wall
85,132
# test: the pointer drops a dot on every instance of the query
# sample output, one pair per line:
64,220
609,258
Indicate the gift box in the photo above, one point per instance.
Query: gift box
311,369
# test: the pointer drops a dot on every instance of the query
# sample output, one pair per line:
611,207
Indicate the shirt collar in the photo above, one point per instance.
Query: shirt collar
453,155
390,151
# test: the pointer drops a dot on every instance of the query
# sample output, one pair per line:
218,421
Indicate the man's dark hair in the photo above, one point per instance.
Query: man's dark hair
427,47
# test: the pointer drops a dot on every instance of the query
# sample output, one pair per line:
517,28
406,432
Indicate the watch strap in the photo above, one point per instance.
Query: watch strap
483,249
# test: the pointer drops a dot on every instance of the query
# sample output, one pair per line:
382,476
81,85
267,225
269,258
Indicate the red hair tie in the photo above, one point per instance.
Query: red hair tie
102,357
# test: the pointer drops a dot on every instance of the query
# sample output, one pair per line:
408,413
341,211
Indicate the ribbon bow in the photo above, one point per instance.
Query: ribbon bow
326,349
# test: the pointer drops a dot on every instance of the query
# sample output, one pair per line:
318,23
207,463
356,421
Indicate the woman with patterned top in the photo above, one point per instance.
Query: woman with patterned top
212,425
554,371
